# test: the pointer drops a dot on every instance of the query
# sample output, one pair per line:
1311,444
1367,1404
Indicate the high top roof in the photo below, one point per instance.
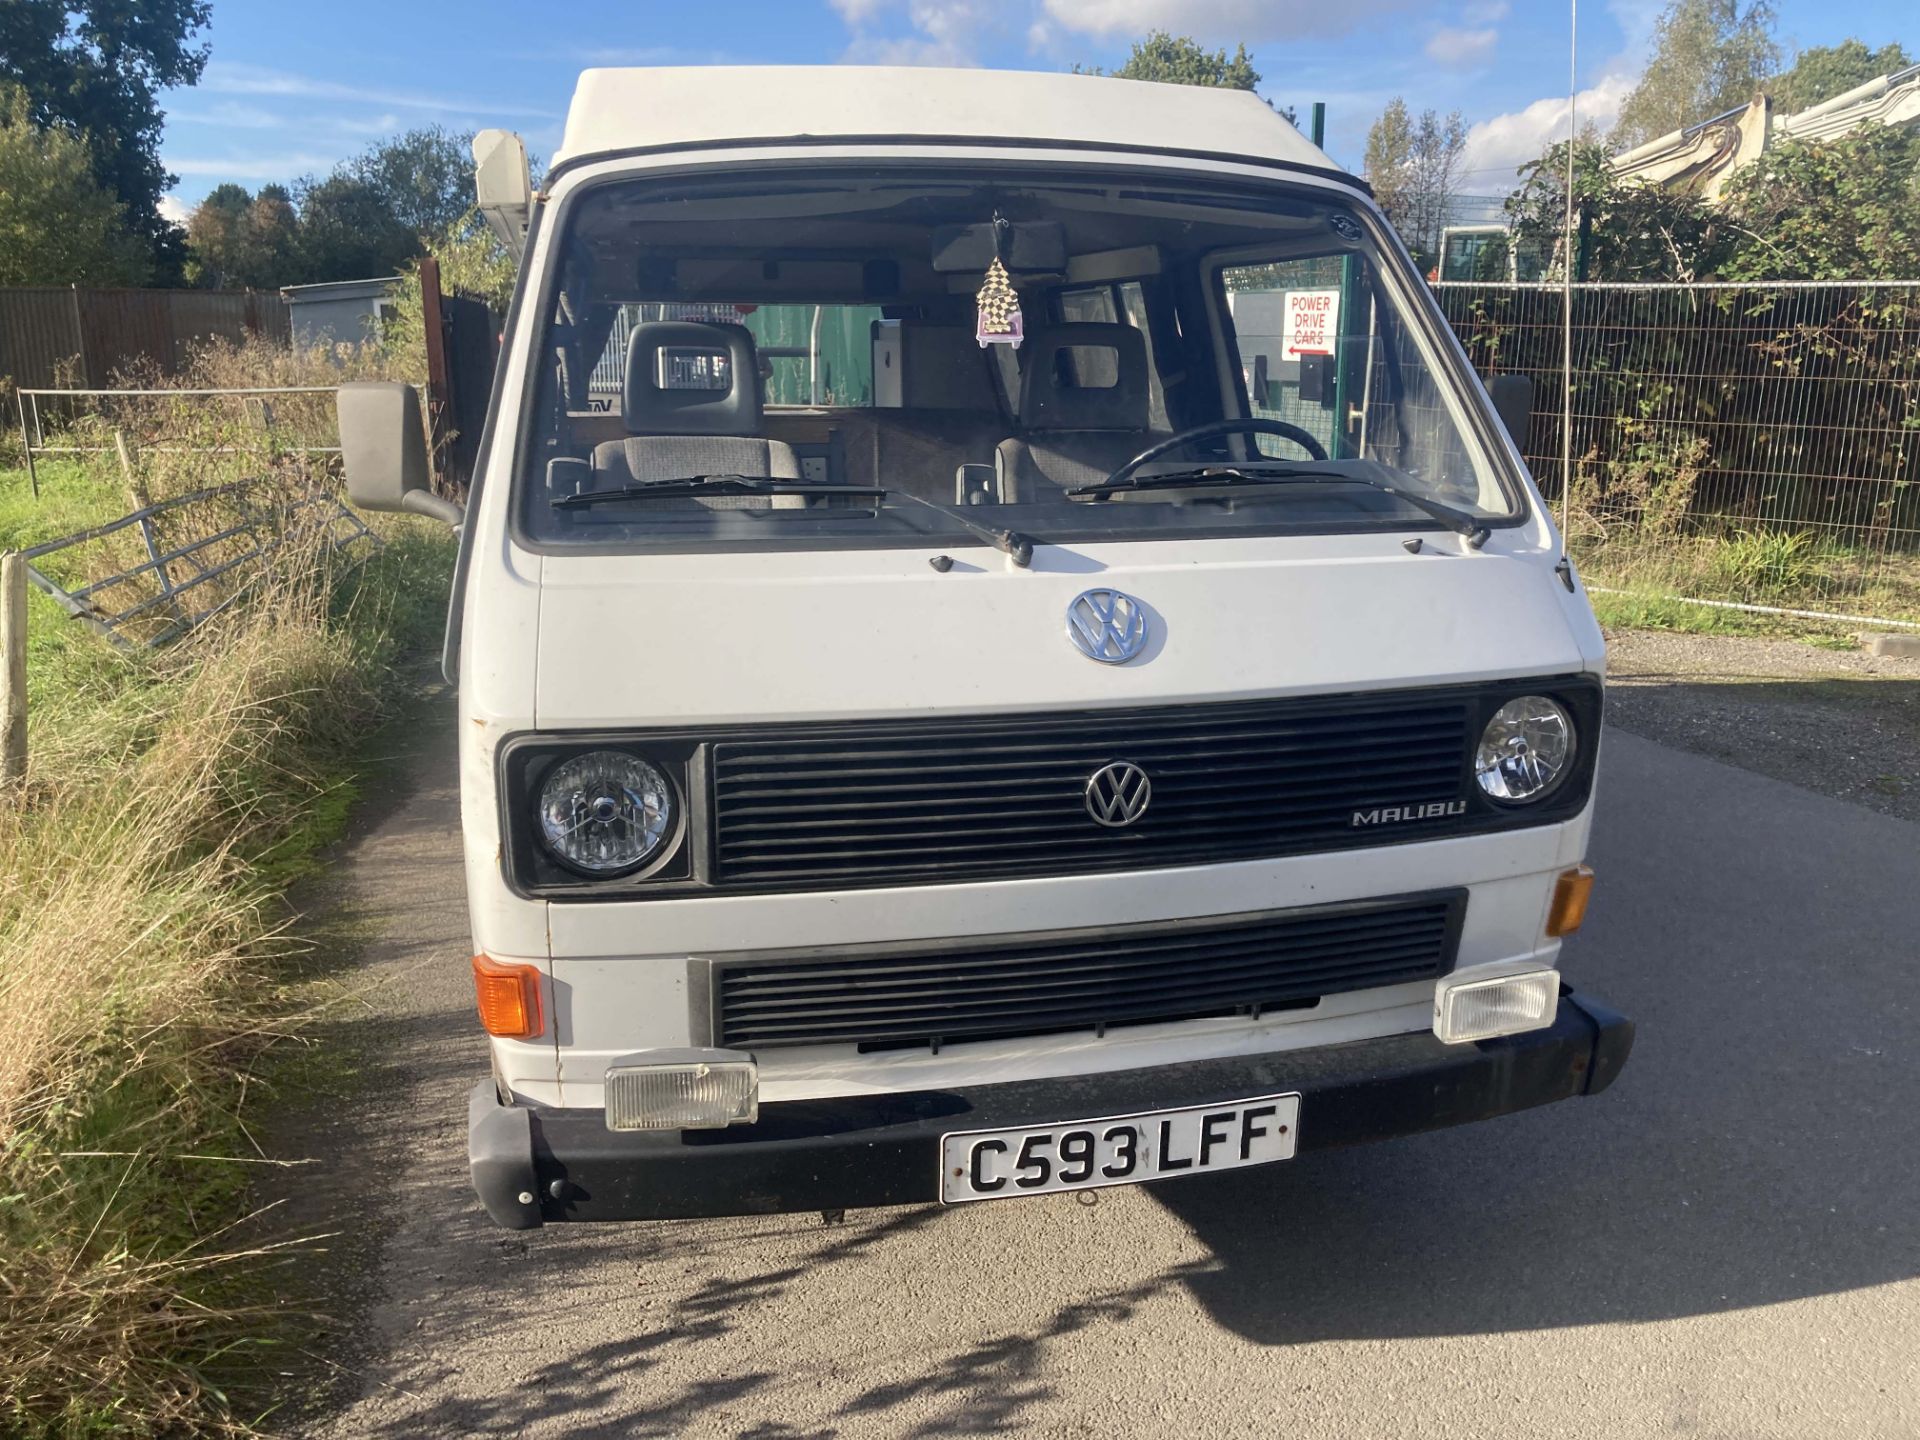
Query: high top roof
629,109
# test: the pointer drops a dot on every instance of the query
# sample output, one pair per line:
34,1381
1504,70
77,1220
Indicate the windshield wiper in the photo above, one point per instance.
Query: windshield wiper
1011,541
1231,477
1019,546
709,485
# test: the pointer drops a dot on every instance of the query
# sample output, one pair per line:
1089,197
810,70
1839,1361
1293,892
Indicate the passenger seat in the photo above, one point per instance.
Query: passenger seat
674,432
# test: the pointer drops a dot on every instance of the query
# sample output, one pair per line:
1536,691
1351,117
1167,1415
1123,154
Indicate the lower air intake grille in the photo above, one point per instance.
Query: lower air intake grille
1087,979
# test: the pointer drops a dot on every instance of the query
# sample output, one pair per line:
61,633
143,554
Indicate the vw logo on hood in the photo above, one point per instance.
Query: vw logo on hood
1107,626
1118,794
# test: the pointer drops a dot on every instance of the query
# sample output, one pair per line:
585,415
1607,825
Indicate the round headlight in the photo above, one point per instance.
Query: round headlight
1525,749
605,812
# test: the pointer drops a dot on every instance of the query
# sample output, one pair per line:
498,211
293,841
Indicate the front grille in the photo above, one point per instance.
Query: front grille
1086,980
1007,795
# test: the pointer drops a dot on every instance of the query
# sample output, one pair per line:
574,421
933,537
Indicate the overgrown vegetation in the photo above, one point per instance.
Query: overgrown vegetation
143,944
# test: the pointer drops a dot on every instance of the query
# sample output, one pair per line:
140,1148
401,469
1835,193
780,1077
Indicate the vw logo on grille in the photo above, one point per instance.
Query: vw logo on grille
1117,794
1107,626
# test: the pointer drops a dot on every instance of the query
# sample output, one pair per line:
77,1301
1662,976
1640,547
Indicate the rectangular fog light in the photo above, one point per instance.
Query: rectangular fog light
683,1090
1472,1008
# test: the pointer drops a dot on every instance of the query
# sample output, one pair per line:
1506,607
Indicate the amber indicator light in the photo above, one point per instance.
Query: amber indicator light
1570,893
508,997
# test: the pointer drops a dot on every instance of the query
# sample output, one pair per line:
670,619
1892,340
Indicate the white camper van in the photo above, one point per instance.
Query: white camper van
955,718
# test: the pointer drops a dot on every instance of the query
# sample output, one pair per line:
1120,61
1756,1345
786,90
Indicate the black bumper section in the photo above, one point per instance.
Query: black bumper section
531,1166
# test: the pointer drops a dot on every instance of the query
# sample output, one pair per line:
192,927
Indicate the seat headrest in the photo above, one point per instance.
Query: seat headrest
942,368
691,347
1084,376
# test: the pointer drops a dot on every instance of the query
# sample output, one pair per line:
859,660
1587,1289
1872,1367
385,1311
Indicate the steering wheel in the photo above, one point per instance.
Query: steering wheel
1304,439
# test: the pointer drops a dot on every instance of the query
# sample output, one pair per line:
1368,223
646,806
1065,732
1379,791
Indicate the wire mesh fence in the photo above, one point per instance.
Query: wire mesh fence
1752,444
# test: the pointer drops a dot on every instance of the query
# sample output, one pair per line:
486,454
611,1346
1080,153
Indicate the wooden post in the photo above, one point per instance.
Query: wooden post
26,440
13,669
439,387
136,492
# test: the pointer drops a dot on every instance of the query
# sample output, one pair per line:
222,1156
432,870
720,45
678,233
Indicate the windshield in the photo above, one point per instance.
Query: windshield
894,357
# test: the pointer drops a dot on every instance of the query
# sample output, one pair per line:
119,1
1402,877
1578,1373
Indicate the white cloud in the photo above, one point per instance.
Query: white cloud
1498,147
387,124
229,114
174,209
1216,20
942,32
1461,49
281,167
235,78
905,50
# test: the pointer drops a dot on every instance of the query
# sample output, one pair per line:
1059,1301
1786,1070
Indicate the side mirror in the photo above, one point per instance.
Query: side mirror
1513,401
503,187
383,449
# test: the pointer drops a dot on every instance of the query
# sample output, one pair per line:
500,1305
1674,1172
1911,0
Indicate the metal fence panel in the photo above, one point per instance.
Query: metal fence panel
119,327
39,333
1757,444
42,328
197,555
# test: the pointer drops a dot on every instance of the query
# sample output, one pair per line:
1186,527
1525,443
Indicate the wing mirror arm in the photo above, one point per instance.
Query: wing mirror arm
434,507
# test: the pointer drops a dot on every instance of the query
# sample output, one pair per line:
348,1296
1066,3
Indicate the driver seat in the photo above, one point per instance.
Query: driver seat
1084,401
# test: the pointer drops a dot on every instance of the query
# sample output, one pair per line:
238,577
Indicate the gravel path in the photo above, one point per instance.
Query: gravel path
1838,722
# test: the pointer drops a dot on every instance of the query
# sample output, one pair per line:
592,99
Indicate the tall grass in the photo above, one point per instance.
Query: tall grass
142,952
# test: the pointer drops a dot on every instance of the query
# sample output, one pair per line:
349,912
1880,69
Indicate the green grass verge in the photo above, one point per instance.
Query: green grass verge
1648,610
175,797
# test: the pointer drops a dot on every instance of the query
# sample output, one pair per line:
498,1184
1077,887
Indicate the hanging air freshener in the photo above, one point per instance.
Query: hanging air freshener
999,321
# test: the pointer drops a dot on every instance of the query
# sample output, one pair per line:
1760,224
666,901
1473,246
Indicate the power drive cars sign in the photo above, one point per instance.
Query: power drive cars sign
1312,323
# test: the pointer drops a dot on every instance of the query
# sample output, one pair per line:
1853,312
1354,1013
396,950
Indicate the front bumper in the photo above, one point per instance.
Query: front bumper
531,1166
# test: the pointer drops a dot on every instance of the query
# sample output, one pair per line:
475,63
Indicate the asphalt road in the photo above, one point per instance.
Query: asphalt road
1725,1244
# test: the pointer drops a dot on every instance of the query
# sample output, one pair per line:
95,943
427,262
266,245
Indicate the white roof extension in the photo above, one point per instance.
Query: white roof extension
629,109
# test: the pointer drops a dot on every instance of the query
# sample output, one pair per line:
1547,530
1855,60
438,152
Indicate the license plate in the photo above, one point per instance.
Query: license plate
1117,1150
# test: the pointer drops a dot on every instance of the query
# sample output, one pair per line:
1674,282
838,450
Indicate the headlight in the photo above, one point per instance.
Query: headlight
605,812
1524,750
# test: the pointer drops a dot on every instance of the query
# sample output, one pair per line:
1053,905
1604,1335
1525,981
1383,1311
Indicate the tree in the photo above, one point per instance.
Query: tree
216,236
1844,209
237,239
58,226
425,176
1414,168
1709,57
374,215
273,228
1627,231
1389,160
348,231
96,67
1829,70
1179,60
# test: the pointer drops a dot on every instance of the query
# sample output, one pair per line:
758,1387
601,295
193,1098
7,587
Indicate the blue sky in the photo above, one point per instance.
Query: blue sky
294,88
